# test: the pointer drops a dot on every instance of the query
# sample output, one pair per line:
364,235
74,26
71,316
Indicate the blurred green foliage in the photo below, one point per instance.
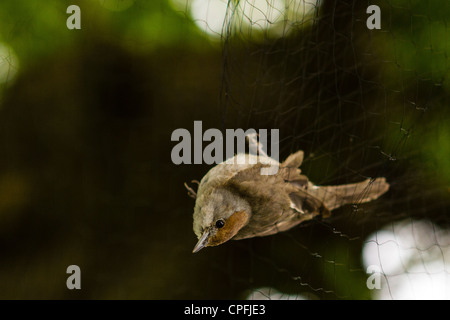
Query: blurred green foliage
36,29
85,170
414,47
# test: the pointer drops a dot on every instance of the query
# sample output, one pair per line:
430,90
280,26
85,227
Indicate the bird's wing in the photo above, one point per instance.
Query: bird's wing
308,204
294,160
279,202
285,188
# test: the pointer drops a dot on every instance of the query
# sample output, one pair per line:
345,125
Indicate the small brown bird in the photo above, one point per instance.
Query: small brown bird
234,201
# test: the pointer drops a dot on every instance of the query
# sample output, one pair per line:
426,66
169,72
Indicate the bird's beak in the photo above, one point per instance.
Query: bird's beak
202,242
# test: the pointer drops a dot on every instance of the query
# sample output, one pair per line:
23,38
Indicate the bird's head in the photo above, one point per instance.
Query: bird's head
218,217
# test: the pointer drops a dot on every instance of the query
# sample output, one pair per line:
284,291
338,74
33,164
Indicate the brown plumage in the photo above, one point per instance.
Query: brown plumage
235,201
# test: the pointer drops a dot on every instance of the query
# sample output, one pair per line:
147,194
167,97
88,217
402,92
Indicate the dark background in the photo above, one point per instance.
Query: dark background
86,176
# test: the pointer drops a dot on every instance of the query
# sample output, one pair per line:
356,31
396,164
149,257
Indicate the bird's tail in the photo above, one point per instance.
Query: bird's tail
336,196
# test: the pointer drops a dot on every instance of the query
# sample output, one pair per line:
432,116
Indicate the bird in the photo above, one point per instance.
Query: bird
235,201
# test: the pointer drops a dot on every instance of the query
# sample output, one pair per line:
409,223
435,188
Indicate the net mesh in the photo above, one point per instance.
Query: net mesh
361,103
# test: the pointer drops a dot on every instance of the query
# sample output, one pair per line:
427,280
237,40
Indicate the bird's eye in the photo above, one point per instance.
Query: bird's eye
220,223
